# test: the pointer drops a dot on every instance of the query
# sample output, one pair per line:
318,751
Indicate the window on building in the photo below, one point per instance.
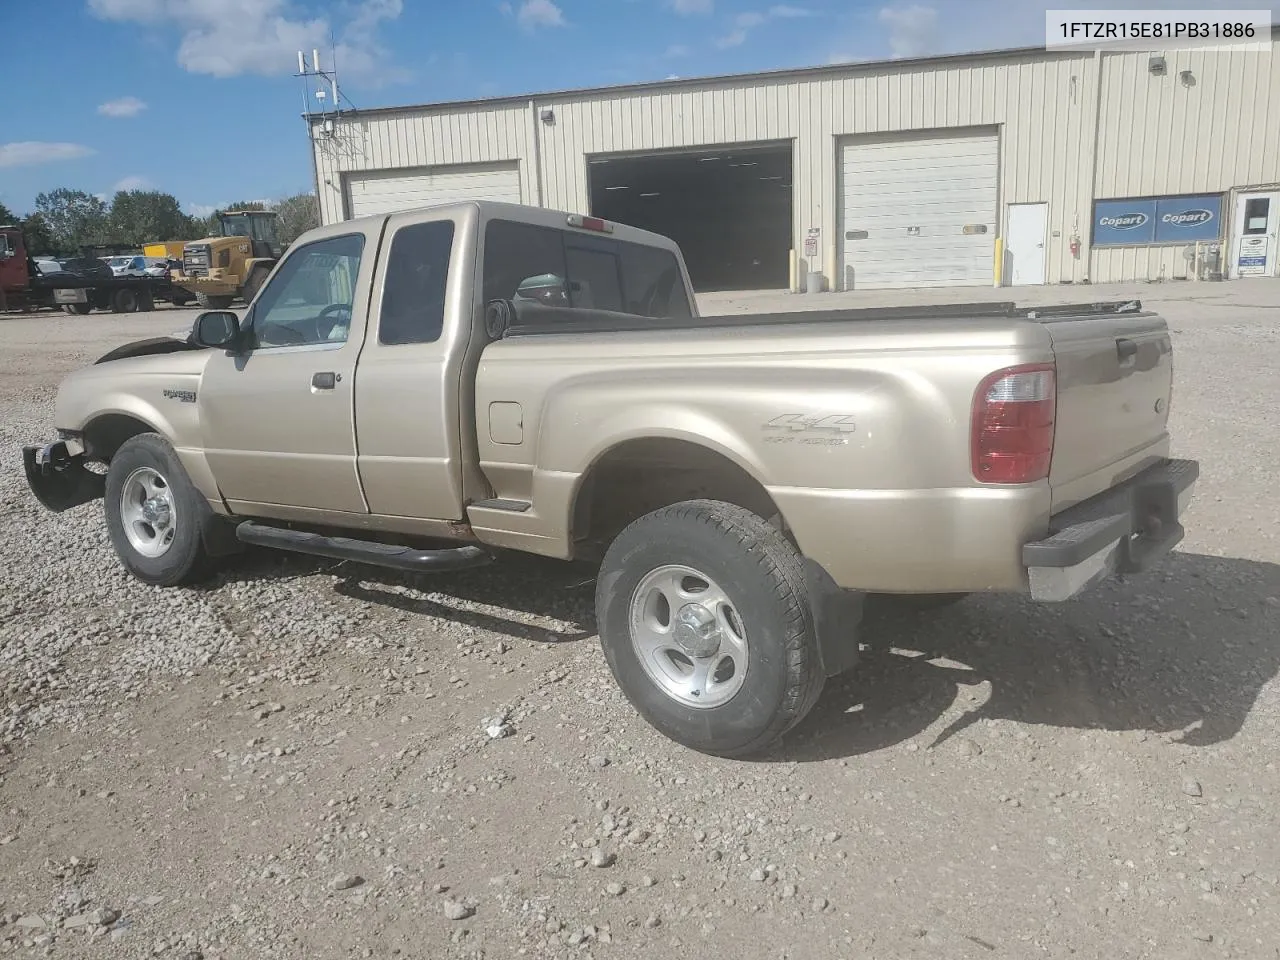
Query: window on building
1257,211
414,292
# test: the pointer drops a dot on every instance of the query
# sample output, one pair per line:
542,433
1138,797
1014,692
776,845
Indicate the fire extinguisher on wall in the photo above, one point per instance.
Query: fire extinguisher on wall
1075,247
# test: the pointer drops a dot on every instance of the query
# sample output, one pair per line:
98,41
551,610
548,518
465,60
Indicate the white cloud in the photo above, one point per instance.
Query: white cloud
27,153
690,8
744,23
533,14
133,183
203,210
913,30
122,107
910,28
229,38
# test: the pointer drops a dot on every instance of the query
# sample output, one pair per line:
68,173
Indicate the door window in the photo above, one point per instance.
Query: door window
1257,211
311,296
413,293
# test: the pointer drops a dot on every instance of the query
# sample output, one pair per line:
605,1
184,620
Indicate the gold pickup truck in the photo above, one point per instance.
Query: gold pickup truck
423,390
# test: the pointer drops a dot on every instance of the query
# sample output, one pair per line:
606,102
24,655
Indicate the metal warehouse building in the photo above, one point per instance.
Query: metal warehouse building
1013,167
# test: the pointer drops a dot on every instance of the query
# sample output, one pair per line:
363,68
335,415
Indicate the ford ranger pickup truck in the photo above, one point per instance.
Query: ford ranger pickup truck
423,390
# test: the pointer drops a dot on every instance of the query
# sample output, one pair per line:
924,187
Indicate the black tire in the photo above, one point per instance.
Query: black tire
146,301
78,309
253,285
763,576
180,298
211,302
124,300
185,559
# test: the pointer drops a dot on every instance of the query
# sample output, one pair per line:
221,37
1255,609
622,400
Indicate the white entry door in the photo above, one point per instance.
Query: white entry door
1024,241
1255,251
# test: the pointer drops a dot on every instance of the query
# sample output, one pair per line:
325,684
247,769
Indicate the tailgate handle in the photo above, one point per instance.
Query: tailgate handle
1126,349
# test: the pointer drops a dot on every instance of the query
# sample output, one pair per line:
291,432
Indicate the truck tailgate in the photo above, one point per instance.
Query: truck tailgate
1115,377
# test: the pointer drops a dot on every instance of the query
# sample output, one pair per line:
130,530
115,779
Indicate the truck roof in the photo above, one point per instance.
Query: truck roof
541,216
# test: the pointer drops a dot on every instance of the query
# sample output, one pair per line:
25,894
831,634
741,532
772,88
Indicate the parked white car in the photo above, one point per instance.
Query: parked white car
127,266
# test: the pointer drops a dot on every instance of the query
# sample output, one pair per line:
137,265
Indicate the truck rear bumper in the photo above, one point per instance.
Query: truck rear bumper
1124,530
987,539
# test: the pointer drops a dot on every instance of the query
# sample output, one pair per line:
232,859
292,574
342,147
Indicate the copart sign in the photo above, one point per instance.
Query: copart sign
1156,220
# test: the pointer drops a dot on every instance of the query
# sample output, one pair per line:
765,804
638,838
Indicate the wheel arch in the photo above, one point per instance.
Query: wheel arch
636,474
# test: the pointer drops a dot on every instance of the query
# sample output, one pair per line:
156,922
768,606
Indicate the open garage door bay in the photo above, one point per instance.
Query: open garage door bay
729,208
918,211
389,191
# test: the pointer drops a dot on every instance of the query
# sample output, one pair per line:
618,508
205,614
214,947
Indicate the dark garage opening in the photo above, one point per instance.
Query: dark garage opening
728,208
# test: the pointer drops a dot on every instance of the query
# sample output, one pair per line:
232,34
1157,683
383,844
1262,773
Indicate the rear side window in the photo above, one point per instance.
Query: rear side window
414,290
566,268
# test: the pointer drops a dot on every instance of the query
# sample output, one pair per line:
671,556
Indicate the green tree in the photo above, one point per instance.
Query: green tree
75,218
296,215
146,216
6,215
39,238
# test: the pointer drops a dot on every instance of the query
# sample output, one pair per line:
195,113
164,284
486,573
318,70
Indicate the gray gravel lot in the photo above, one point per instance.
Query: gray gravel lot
293,761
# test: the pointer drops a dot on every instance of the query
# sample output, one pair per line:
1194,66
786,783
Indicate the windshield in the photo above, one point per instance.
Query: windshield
118,261
235,226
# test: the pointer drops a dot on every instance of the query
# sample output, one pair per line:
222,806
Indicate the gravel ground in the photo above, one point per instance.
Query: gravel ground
295,762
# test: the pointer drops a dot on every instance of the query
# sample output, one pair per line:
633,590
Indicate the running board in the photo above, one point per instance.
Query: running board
390,555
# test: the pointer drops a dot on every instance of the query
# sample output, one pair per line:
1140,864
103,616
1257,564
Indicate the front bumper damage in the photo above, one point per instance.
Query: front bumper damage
1125,530
59,479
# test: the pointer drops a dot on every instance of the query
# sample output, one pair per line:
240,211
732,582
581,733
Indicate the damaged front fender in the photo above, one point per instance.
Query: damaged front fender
60,480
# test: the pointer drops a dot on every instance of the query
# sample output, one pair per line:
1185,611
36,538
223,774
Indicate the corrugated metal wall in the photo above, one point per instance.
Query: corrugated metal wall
1158,135
1161,136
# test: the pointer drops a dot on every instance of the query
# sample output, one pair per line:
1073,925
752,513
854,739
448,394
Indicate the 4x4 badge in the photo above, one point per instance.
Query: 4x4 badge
801,422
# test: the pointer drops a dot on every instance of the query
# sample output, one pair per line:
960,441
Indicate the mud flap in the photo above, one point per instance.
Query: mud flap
59,480
837,617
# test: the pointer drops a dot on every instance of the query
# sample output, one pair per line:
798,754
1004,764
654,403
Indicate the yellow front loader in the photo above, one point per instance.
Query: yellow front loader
216,270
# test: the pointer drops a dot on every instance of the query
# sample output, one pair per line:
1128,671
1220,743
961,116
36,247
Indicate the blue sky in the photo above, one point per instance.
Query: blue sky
197,97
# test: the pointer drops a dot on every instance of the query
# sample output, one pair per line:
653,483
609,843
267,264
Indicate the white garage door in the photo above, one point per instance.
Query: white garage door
389,191
918,212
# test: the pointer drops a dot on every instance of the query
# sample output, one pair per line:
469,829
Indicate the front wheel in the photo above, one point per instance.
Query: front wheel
211,301
706,623
154,514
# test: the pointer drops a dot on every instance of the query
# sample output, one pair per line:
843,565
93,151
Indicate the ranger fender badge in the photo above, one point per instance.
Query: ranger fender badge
185,396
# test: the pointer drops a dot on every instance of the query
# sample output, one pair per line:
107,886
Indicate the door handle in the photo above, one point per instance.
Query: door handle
324,381
1125,349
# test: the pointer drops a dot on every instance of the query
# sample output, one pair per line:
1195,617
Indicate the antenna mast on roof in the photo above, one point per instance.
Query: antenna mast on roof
319,92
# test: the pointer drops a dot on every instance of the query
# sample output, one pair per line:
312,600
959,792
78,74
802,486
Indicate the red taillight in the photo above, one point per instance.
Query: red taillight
1011,440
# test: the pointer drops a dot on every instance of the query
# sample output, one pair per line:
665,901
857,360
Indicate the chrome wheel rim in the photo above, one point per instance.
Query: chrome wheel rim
689,637
148,513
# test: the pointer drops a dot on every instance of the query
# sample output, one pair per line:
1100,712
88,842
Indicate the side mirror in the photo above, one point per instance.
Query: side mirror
216,328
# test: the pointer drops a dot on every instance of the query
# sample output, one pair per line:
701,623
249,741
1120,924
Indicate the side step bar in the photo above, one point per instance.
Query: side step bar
390,555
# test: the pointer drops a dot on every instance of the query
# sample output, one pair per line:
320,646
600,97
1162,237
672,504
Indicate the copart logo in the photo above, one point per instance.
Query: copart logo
1187,218
1125,221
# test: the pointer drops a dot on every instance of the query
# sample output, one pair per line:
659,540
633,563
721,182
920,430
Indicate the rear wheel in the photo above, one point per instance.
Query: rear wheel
154,514
146,301
213,301
705,620
78,309
124,301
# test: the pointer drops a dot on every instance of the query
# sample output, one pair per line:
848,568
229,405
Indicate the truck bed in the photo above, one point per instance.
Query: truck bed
535,319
